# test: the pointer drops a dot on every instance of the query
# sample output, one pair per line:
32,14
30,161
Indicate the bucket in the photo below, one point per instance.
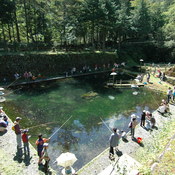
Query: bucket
139,140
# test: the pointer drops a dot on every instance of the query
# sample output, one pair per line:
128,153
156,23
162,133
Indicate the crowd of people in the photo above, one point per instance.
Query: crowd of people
22,139
72,71
147,122
27,76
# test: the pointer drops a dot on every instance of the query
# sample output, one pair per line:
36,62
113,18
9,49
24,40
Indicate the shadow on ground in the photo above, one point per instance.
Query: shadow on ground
3,132
19,157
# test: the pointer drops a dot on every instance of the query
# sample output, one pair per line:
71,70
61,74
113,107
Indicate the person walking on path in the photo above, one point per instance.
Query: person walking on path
148,77
114,141
169,94
174,94
18,133
143,115
133,124
40,142
25,139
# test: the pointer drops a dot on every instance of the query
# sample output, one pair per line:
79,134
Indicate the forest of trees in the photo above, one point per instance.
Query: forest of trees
98,24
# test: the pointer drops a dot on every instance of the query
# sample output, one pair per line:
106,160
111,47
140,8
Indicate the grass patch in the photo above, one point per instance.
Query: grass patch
154,148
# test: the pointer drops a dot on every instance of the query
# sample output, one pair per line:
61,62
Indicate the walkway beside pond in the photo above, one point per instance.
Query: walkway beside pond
103,166
39,80
10,162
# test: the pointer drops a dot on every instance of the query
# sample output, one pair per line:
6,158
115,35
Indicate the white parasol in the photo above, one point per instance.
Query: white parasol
66,159
135,93
1,93
2,99
113,73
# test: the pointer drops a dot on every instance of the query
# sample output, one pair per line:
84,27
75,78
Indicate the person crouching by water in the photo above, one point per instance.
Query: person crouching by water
133,124
45,156
114,141
40,142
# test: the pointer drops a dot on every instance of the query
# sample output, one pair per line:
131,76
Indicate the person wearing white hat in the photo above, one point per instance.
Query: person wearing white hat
45,156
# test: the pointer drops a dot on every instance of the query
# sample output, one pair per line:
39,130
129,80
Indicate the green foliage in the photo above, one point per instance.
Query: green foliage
51,65
85,24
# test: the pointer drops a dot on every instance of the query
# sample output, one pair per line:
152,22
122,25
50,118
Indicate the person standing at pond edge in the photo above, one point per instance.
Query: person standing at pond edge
18,132
148,77
143,115
169,94
45,156
114,141
40,142
133,125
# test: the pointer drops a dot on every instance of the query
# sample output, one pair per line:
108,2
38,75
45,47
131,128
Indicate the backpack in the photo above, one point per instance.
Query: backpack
13,127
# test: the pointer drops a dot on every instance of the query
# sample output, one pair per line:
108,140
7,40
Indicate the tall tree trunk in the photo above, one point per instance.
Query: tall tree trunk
30,13
3,32
92,34
104,40
9,31
35,24
13,32
26,18
16,25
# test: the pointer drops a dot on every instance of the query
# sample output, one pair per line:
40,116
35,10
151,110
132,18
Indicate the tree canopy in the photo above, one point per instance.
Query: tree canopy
97,24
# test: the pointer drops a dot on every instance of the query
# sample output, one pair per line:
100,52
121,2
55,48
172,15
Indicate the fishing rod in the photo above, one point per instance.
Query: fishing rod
60,127
12,91
106,125
43,124
12,82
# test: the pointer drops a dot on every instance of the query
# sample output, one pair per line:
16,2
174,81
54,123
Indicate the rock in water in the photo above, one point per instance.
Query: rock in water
135,93
111,97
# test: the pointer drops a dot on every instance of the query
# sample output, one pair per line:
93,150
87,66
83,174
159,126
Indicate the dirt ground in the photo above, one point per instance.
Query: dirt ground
12,163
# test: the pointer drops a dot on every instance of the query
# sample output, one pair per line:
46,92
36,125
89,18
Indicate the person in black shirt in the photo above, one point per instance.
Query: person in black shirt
142,123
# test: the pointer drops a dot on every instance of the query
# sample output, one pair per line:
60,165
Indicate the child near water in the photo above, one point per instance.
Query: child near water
25,139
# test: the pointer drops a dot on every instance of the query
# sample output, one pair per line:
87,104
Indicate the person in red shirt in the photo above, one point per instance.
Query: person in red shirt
25,139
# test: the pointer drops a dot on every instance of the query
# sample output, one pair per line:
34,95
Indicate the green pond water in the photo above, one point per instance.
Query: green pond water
45,107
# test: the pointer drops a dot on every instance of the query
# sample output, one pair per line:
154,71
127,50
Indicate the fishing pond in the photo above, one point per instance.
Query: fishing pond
46,106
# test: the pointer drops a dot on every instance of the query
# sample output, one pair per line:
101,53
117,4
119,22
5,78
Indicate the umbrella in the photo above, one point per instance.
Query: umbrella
1,93
1,89
2,99
113,73
135,93
66,159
